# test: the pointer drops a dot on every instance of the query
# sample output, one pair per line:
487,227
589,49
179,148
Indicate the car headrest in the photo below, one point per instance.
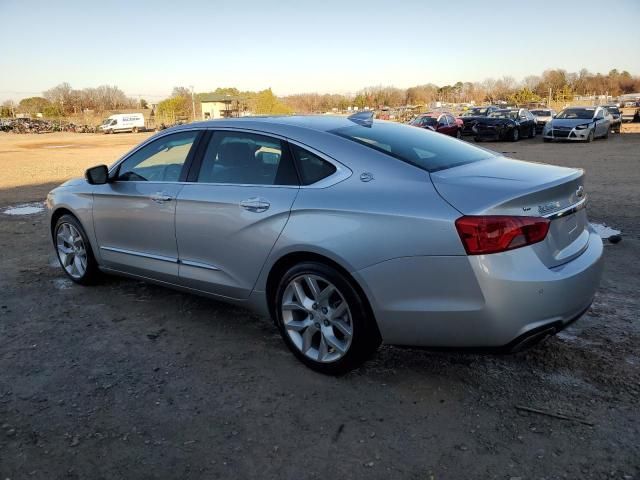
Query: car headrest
235,154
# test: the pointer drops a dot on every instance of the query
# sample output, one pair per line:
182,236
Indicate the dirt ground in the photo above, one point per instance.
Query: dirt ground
129,380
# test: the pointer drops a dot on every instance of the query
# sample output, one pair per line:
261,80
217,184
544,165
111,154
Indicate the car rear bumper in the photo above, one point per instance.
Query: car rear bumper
484,301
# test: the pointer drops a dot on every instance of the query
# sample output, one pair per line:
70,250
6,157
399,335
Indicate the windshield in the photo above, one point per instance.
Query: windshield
422,148
475,112
541,113
504,114
425,122
613,109
105,121
577,113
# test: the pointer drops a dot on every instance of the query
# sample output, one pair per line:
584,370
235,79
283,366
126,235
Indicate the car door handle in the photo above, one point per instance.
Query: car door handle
255,204
160,197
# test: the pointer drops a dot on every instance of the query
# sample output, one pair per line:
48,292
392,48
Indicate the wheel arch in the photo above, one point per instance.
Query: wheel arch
59,212
290,259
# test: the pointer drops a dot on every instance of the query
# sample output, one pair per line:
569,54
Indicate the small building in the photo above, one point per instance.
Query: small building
221,106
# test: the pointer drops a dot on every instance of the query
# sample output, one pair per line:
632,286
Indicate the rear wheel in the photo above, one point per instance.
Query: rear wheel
532,132
459,134
323,319
74,251
476,139
547,140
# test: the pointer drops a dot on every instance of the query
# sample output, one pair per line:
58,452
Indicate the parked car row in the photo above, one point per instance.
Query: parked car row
494,123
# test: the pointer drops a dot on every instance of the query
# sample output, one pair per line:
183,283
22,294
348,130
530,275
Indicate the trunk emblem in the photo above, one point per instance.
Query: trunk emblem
548,207
580,192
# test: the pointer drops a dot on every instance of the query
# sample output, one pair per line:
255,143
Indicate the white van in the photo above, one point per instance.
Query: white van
123,122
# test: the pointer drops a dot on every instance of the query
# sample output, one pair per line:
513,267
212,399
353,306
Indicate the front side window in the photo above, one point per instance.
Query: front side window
246,159
160,160
311,167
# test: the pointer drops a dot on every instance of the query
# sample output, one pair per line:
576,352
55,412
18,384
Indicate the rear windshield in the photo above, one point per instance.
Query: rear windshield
578,113
542,113
425,149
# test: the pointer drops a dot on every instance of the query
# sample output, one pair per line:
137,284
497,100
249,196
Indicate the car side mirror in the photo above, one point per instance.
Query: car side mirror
97,175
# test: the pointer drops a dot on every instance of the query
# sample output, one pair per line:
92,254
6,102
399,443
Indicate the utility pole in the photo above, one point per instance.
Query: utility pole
193,104
549,101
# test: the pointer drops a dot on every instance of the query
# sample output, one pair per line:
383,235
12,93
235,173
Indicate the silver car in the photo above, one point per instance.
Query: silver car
348,232
578,124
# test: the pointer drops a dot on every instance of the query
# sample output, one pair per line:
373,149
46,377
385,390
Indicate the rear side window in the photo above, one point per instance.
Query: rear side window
417,146
246,159
312,168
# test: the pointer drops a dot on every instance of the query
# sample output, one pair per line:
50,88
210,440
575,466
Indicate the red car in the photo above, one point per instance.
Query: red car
441,122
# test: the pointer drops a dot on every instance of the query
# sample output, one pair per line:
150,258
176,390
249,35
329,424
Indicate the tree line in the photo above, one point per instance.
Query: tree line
63,100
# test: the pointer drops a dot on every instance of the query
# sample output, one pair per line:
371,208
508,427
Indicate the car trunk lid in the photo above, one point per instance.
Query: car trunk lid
503,186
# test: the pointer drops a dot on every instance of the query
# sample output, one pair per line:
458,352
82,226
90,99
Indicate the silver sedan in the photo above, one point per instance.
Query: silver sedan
348,232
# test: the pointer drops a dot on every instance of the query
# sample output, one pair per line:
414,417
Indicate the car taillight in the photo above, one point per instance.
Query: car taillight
498,233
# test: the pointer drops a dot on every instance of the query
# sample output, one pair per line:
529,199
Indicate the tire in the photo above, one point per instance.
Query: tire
476,139
532,133
303,309
590,137
71,242
459,134
515,135
546,140
134,130
606,135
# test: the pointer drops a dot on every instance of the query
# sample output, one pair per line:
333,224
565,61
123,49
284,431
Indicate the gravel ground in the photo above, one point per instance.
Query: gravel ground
129,380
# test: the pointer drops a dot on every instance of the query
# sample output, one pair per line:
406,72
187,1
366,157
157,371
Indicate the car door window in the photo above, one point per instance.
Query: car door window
246,159
442,121
160,160
311,167
452,121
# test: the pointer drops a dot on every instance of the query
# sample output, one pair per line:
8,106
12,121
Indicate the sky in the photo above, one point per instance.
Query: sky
294,46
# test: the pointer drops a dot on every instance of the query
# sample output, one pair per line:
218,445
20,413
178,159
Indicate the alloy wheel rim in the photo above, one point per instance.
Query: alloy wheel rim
71,250
317,318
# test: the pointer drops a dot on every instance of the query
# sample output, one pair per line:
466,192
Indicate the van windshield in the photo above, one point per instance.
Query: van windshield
420,147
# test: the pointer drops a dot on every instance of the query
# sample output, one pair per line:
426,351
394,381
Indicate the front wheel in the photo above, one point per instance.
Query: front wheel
532,132
323,319
590,137
459,134
74,251
515,135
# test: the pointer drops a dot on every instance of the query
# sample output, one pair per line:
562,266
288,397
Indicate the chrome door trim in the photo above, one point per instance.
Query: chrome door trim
206,266
140,254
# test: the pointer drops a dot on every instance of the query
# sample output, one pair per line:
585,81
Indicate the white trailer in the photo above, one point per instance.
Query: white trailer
123,122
